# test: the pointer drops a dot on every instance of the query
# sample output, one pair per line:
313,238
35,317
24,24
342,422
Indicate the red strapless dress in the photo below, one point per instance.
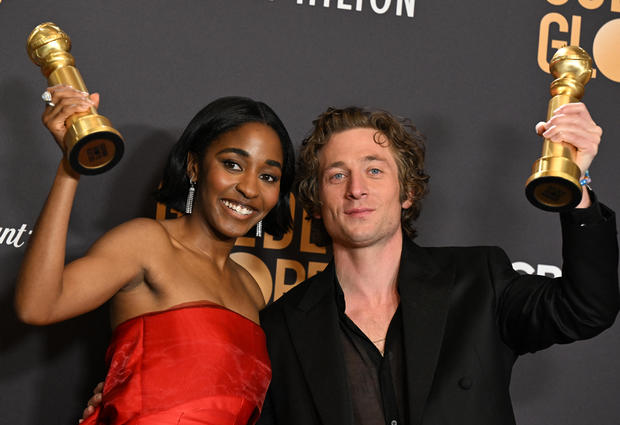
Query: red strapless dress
196,363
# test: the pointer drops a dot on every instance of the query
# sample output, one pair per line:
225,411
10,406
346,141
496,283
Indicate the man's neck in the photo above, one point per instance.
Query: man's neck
368,278
369,272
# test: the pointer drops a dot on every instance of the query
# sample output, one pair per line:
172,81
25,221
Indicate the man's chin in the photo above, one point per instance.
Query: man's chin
360,240
364,238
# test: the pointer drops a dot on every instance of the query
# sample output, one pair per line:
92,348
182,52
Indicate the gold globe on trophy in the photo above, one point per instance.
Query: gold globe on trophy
92,145
554,183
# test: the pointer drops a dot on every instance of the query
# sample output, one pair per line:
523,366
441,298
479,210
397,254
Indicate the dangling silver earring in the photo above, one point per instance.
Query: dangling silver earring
259,229
189,203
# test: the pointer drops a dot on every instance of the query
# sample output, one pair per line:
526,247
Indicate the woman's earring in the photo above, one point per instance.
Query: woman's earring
189,203
259,229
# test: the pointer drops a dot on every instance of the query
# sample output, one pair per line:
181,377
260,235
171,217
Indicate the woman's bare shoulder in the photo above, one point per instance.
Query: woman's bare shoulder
251,285
139,233
143,226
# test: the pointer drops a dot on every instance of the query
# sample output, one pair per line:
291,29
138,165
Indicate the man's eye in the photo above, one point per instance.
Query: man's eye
337,176
231,165
375,171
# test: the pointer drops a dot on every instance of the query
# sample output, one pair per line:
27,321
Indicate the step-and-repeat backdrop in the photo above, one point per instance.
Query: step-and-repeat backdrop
473,76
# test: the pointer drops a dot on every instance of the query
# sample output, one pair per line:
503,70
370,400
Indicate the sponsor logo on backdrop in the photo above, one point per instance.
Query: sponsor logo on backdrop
14,236
380,7
602,41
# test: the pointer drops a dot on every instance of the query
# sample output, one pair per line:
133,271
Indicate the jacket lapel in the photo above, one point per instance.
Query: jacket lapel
425,291
314,327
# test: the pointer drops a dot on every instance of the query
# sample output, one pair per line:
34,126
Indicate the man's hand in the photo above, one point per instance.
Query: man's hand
572,124
93,402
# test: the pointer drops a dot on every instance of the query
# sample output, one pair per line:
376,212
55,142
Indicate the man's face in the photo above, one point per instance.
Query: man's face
359,189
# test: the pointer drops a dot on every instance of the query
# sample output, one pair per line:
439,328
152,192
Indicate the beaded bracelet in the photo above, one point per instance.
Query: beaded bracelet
586,178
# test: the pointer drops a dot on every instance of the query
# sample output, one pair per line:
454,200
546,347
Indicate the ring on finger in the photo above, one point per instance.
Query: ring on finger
47,98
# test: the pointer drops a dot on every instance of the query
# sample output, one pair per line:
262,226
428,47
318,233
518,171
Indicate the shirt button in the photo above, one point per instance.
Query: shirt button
466,382
394,422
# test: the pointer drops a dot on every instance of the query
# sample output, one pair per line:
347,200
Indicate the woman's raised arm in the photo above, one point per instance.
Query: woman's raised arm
47,291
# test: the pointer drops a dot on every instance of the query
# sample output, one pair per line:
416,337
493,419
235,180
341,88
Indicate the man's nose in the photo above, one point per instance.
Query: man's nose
357,186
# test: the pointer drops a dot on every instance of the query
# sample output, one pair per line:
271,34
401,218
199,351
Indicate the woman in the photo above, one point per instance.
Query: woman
186,346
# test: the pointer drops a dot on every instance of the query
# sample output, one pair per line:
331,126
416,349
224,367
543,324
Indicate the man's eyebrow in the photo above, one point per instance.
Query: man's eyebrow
367,158
246,154
370,158
335,164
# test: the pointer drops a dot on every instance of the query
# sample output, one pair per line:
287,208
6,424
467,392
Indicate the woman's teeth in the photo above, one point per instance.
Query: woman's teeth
238,208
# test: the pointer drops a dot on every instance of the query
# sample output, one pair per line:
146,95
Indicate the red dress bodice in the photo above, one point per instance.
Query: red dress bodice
197,363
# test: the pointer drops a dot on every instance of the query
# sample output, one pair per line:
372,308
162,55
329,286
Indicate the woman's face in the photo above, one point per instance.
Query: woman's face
238,181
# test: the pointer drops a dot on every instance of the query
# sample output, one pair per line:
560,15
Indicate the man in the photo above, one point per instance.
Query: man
393,333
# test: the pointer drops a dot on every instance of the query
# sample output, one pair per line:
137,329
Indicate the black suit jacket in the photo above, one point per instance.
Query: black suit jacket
466,314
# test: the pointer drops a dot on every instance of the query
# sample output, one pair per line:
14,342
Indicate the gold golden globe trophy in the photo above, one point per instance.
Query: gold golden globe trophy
554,183
92,145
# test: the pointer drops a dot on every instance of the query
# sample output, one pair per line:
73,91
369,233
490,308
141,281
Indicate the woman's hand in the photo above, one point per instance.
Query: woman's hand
67,101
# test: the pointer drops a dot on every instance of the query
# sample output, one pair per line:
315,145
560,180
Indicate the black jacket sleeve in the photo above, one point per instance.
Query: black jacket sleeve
535,312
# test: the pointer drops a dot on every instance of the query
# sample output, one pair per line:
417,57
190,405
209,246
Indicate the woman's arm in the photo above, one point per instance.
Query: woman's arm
47,291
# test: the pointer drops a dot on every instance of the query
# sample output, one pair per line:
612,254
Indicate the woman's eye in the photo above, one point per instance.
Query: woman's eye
269,178
231,165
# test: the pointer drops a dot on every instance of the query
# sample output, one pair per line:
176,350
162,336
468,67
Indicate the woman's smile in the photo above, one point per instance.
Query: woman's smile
238,208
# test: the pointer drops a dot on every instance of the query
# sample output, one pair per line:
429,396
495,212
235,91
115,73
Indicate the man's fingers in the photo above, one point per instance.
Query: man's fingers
95,400
94,97
98,388
87,412
577,108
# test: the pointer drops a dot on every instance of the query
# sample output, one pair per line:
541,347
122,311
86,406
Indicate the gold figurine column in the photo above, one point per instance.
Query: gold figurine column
554,183
92,144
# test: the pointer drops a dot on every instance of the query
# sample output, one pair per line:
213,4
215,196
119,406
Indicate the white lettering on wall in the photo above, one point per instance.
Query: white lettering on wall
344,6
541,269
521,266
313,2
380,10
409,4
380,7
12,236
547,270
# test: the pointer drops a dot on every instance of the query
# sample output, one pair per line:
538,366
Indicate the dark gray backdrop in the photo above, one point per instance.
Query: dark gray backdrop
465,72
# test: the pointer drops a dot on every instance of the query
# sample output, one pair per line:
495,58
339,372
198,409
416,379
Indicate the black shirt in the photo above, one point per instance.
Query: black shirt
376,382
